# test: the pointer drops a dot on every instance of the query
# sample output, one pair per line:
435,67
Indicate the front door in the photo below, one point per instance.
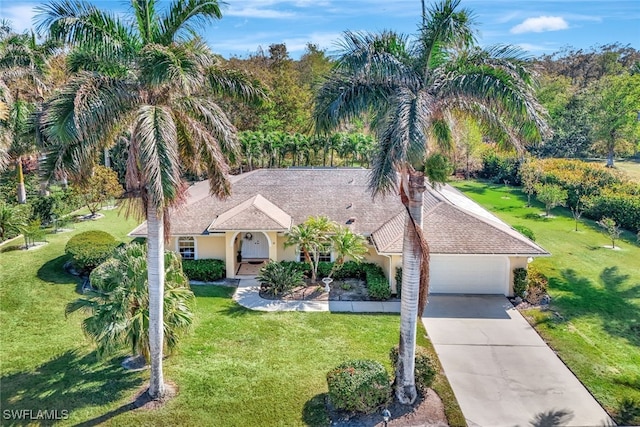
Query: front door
255,245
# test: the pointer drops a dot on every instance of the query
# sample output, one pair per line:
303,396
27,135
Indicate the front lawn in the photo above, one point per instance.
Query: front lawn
238,368
594,320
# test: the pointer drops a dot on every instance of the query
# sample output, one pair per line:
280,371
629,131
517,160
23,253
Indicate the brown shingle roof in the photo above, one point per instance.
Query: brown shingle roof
268,199
255,213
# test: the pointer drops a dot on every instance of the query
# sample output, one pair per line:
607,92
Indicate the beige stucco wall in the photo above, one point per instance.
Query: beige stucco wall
286,254
210,247
515,262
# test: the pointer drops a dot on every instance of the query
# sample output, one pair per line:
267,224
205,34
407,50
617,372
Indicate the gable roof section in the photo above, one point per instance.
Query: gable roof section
255,213
454,224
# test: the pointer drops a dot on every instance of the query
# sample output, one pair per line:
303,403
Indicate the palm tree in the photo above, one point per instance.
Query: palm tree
347,244
118,302
312,237
413,90
149,76
23,72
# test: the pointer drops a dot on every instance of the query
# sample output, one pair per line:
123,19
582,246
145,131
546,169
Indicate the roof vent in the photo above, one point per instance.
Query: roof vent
350,181
351,220
350,205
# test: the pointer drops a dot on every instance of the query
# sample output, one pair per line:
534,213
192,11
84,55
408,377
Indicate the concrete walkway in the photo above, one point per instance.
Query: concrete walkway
247,295
501,371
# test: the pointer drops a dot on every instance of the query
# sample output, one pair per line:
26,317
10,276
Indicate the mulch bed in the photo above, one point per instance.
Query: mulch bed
426,411
341,290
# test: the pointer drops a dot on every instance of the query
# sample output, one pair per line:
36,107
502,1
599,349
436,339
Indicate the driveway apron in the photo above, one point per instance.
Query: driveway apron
501,371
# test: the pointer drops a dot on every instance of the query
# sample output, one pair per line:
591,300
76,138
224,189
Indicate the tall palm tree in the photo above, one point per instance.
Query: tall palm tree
413,89
148,75
23,83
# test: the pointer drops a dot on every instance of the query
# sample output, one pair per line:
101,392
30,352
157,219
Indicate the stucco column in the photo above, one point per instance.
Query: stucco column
273,245
229,254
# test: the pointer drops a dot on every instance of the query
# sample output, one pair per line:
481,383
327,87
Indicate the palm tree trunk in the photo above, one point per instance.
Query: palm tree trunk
155,262
107,159
411,258
22,192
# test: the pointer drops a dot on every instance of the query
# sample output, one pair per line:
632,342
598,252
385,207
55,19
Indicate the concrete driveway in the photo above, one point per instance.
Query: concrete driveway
501,371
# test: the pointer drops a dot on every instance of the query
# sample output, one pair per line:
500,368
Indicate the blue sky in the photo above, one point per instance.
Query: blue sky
539,27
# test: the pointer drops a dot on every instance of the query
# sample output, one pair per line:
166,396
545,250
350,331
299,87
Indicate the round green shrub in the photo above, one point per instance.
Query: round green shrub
359,386
206,270
89,249
425,369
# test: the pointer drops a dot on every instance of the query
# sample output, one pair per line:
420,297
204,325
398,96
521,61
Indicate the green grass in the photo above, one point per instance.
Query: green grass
630,167
237,368
594,321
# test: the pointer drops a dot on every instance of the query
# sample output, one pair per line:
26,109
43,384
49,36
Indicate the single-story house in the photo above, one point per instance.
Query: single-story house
472,251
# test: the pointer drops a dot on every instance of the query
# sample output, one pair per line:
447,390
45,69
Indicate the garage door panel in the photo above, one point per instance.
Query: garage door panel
468,275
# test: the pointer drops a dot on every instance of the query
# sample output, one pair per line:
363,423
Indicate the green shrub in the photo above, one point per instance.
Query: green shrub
399,281
377,283
500,168
350,270
525,231
537,285
205,270
425,369
520,282
628,412
277,278
301,267
324,269
623,208
359,386
89,249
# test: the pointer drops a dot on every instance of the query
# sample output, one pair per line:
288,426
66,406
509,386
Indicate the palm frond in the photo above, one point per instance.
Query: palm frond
148,25
184,16
79,23
235,84
82,118
155,137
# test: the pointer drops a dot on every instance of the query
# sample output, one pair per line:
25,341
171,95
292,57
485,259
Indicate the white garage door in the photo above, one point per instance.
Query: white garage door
469,274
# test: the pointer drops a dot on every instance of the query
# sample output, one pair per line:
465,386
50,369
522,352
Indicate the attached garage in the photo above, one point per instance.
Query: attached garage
465,274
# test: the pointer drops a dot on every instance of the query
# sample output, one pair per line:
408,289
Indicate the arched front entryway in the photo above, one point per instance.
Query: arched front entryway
254,246
252,252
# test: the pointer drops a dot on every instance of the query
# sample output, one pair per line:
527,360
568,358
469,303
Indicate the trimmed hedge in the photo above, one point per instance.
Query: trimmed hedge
425,369
205,270
520,282
377,283
89,249
359,386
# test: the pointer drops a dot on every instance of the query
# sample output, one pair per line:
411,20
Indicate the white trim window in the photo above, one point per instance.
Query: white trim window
324,256
187,247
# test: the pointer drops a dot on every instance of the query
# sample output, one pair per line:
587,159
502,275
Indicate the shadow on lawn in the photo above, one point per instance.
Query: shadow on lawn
611,301
68,382
53,271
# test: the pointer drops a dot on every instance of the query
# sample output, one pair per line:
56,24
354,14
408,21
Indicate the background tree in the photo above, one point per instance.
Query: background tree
23,79
153,80
615,102
611,229
530,175
118,303
413,90
551,195
101,186
12,220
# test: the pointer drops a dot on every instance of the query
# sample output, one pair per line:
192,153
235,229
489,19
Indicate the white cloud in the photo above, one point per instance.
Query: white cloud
254,12
540,24
20,16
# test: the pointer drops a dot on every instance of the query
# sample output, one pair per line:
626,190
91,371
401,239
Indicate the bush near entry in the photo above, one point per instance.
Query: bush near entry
205,270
